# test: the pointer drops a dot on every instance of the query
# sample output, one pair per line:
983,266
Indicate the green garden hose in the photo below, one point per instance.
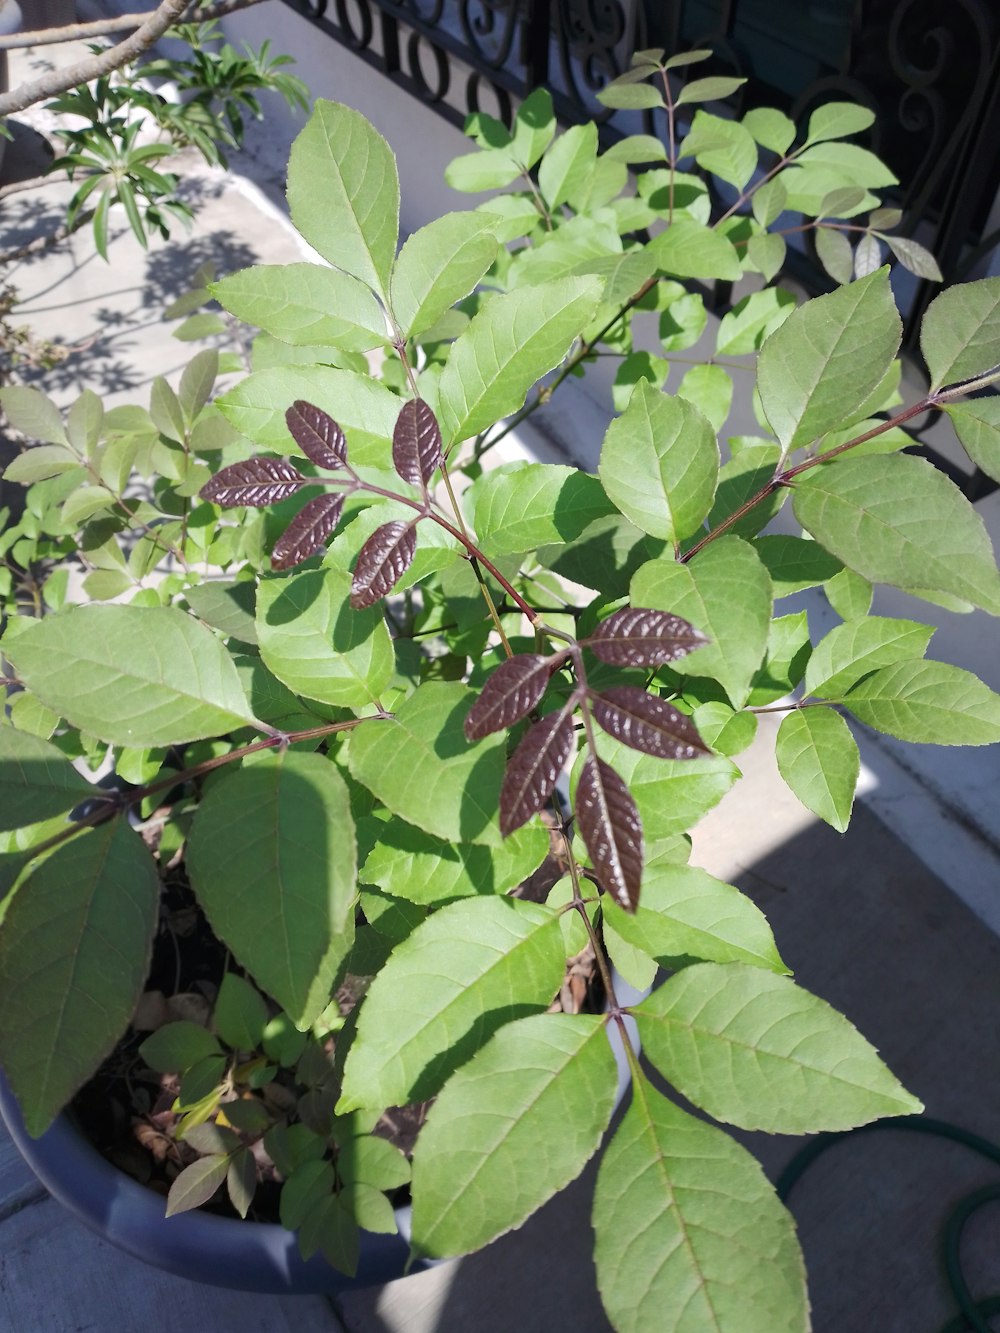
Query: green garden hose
974,1314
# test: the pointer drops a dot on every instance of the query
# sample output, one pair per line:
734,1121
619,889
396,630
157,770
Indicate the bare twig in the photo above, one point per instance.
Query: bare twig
74,32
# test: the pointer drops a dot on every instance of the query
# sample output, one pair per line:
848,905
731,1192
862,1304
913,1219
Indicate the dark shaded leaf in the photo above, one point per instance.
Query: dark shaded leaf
241,1181
317,435
646,722
611,829
383,559
509,694
416,443
638,636
307,533
534,768
196,1184
256,481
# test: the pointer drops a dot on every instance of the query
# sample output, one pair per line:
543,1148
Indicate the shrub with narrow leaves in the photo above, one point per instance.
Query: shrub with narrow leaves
419,673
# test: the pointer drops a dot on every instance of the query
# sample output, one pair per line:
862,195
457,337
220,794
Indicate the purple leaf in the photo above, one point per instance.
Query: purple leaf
638,636
509,694
383,560
416,443
533,769
317,435
647,723
611,829
256,482
307,533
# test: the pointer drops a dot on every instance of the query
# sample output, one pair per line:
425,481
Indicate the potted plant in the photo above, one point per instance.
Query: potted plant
361,724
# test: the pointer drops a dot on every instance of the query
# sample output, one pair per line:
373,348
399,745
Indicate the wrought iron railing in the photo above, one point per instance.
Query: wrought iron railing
929,69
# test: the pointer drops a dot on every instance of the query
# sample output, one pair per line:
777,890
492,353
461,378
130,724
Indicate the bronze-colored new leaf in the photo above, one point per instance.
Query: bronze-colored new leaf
639,636
416,443
317,435
509,694
382,561
255,481
533,769
647,723
611,829
308,531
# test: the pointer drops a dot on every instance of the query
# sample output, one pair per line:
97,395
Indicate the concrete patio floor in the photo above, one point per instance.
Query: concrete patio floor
861,919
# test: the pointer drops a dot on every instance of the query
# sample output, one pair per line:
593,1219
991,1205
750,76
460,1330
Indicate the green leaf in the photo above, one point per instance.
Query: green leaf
37,781
960,333
723,148
439,265
241,1181
755,1050
788,650
41,462
240,1014
838,120
468,969
305,304
930,702
197,382
914,257
896,519
35,416
690,249
581,245
605,555
977,425
519,506
766,254
477,1174
630,96
685,912
708,90
317,644
710,390
849,594
166,411
634,148
137,676
421,766
726,731
859,646
272,859
635,367
859,168
726,593
634,963
513,340
743,329
819,761
821,364
228,607
772,129
659,464
343,193
176,1047
690,1233
534,126
795,563
74,952
833,250
567,164
196,1184
365,409
491,169
408,863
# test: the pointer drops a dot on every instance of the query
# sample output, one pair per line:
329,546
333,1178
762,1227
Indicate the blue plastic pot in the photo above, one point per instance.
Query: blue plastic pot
224,1252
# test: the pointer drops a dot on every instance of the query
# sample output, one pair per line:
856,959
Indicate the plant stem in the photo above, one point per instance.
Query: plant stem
785,477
